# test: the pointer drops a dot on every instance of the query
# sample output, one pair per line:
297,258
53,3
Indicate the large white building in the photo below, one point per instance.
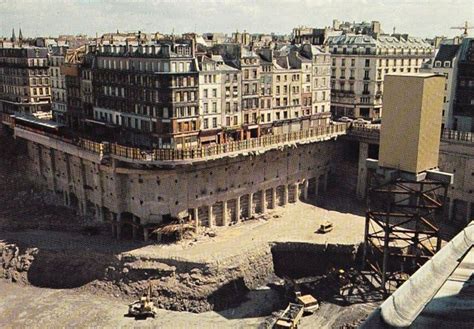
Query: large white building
444,63
359,64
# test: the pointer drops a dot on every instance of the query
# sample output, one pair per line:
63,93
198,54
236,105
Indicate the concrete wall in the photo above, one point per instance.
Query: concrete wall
458,158
214,193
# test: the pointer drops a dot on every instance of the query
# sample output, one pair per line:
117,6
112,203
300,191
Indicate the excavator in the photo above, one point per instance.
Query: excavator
144,307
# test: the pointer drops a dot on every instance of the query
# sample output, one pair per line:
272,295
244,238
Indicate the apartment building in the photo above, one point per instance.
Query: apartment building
463,108
58,83
210,100
445,63
359,64
24,81
319,74
150,90
249,63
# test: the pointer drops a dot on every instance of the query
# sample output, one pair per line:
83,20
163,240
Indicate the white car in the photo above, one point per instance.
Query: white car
361,121
345,119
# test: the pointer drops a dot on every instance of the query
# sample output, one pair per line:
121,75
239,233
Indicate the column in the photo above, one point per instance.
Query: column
196,219
468,212
114,229
305,189
134,231
325,182
145,234
65,199
362,171
274,197
225,217
250,206
210,216
119,225
237,209
264,201
450,209
285,196
297,191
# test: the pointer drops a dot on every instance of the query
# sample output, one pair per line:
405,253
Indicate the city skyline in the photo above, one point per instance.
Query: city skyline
227,16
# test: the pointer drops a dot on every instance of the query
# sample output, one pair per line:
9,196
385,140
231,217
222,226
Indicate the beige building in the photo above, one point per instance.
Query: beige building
210,100
58,83
410,134
359,64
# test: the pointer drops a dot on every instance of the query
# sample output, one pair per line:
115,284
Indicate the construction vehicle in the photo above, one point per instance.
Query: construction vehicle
310,304
325,227
291,317
144,307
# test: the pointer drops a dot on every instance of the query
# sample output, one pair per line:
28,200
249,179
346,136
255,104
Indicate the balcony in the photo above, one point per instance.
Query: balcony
366,92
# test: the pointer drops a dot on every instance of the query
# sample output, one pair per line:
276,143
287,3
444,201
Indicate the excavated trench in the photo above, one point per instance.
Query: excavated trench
177,284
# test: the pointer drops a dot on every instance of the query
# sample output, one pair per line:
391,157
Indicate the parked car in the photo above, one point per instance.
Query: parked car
361,121
345,119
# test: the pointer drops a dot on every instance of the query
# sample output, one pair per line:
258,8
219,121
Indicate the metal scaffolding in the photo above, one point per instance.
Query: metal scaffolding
401,228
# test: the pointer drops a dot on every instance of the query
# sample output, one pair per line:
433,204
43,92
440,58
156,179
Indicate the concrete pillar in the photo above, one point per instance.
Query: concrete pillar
114,230
53,168
250,206
325,182
145,234
134,232
119,226
468,212
119,230
362,171
450,209
210,216
305,189
296,186
274,197
237,209
65,197
225,217
196,219
285,195
264,201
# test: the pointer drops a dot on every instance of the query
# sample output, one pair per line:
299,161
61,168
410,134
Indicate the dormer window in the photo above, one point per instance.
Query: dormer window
438,64
447,64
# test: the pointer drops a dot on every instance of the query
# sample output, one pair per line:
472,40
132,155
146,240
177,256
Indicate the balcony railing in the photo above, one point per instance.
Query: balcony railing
460,136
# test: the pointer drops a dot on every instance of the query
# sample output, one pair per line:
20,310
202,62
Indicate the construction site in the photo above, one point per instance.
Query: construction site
326,224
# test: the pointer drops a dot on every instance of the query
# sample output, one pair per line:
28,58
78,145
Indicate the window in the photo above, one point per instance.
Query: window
353,62
214,122
206,124
367,62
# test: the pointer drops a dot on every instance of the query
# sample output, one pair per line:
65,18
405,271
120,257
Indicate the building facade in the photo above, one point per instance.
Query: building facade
24,81
359,64
150,90
463,110
58,84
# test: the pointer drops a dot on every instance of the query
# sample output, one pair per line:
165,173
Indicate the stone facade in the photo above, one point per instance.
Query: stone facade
217,193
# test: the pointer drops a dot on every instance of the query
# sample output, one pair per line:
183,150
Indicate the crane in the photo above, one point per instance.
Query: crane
466,27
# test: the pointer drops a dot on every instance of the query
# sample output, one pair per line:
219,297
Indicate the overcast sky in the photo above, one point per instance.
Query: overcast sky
425,18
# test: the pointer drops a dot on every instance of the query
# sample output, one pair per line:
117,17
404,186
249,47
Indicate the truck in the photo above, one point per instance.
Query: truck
291,317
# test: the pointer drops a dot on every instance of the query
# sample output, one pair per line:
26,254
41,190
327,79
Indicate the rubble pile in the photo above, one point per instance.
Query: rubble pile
14,264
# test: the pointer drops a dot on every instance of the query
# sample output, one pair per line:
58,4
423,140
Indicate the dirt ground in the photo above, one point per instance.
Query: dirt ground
27,217
26,306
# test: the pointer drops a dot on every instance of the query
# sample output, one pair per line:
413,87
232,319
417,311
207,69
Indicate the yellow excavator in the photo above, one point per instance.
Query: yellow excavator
144,307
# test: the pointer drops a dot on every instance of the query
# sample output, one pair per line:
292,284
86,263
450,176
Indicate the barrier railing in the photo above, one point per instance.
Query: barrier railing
460,136
225,148
198,152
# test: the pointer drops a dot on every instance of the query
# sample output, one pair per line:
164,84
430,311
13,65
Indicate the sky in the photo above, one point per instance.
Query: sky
424,18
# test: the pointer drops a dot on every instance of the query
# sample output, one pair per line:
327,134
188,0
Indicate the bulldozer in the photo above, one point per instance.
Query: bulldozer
144,307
